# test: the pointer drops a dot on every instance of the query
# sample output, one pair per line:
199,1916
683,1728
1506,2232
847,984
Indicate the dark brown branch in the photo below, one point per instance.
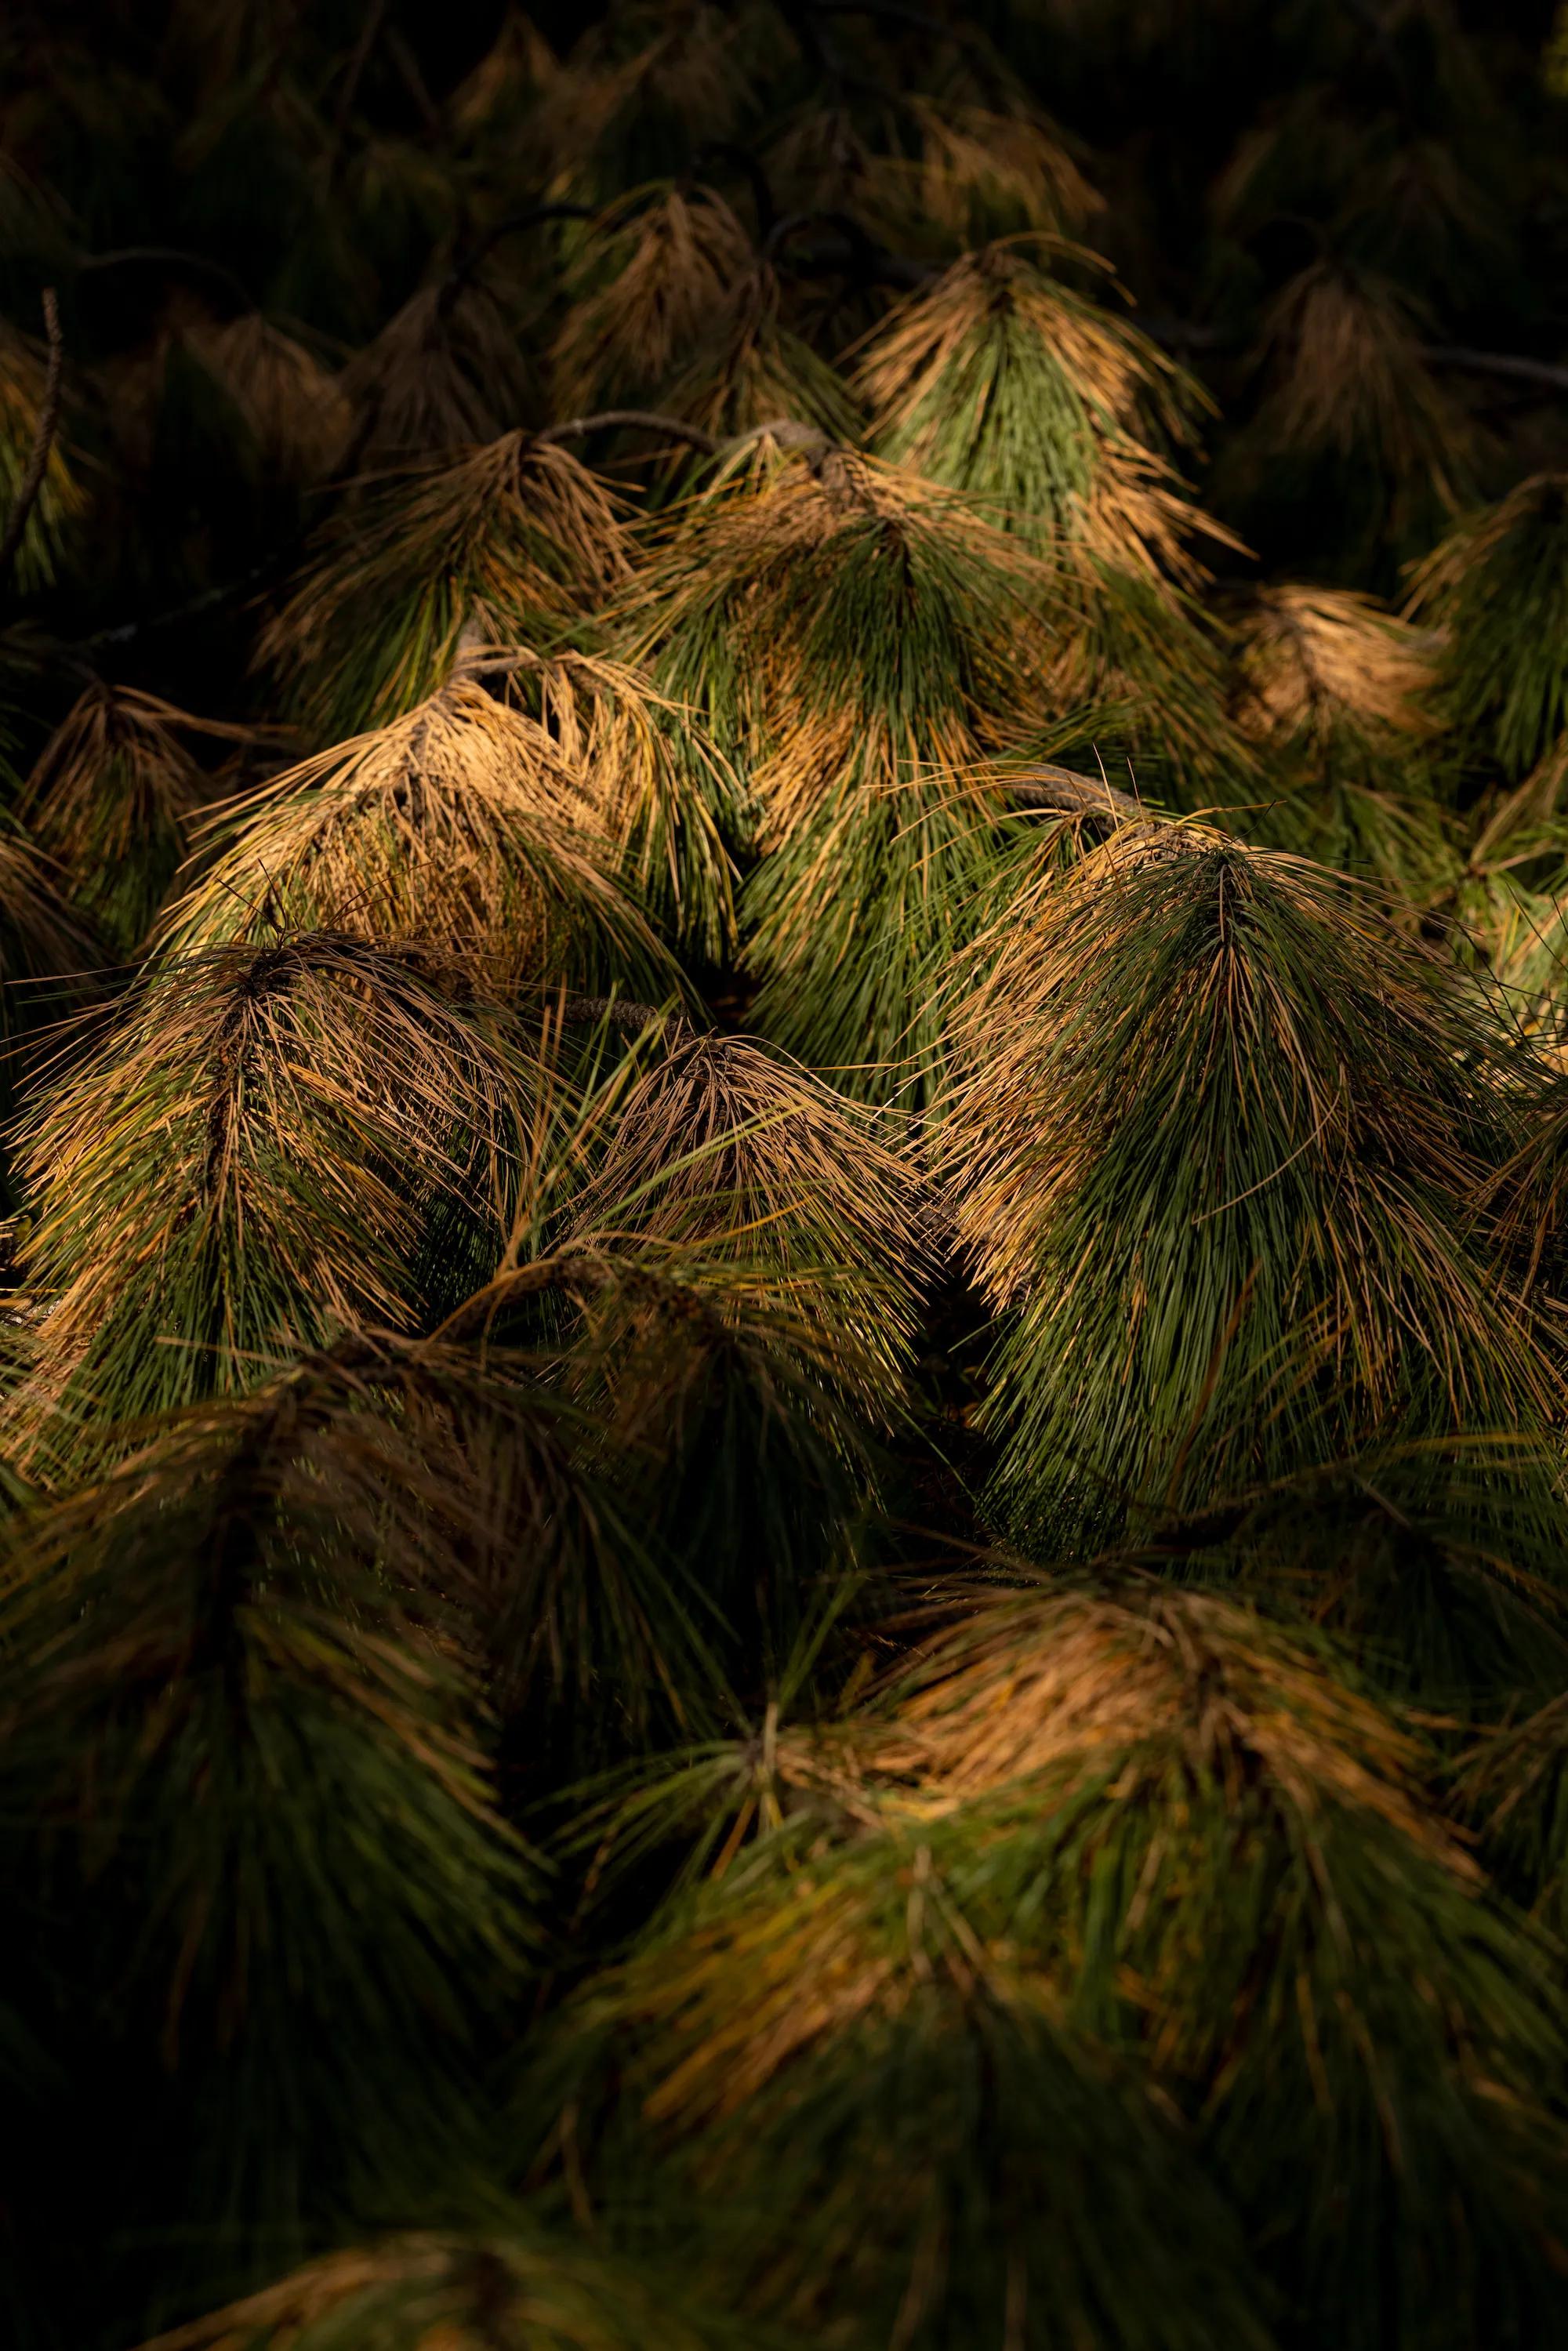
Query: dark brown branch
1503,363
673,428
616,1012
1063,790
167,256
890,14
463,268
728,151
32,480
370,28
1186,335
857,252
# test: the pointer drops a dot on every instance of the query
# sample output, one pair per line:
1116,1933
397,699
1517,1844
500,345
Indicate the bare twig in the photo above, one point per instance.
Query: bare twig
369,27
1187,335
674,428
463,268
615,1012
1501,363
728,151
167,256
1073,795
915,18
32,480
857,250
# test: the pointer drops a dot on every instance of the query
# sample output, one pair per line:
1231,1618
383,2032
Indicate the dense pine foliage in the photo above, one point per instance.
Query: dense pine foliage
784,1393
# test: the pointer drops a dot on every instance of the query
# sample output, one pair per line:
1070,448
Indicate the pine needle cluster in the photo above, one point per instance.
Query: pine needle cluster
783,848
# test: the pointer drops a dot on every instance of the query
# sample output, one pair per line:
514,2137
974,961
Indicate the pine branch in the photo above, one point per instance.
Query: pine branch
170,256
369,29
728,151
886,12
532,216
32,481
788,431
1186,335
1500,363
872,263
674,428
1061,789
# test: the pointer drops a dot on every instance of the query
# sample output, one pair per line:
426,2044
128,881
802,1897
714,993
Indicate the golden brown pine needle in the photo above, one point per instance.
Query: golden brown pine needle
300,416
1313,658
648,290
465,823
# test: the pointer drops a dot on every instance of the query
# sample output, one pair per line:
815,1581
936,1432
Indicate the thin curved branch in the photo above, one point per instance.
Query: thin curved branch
369,32
462,270
533,1281
871,262
728,151
32,480
1186,335
167,256
890,13
1064,791
1501,363
674,428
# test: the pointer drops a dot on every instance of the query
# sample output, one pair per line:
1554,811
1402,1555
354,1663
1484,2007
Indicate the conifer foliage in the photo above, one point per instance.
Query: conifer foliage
784,985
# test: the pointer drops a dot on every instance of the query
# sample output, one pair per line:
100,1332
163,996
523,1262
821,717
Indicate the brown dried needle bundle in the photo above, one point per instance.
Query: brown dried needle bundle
1337,694
724,1146
856,638
985,170
246,1164
649,285
1222,1853
666,797
1158,1816
446,369
59,499
111,798
499,541
299,414
1218,1143
1348,380
1314,660
1051,1679
1004,383
1007,382
463,823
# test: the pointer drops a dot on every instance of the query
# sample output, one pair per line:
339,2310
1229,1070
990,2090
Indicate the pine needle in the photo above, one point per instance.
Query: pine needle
59,499
300,415
111,799
244,1166
465,821
647,286
446,369
1216,1143
1498,587
502,540
856,637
